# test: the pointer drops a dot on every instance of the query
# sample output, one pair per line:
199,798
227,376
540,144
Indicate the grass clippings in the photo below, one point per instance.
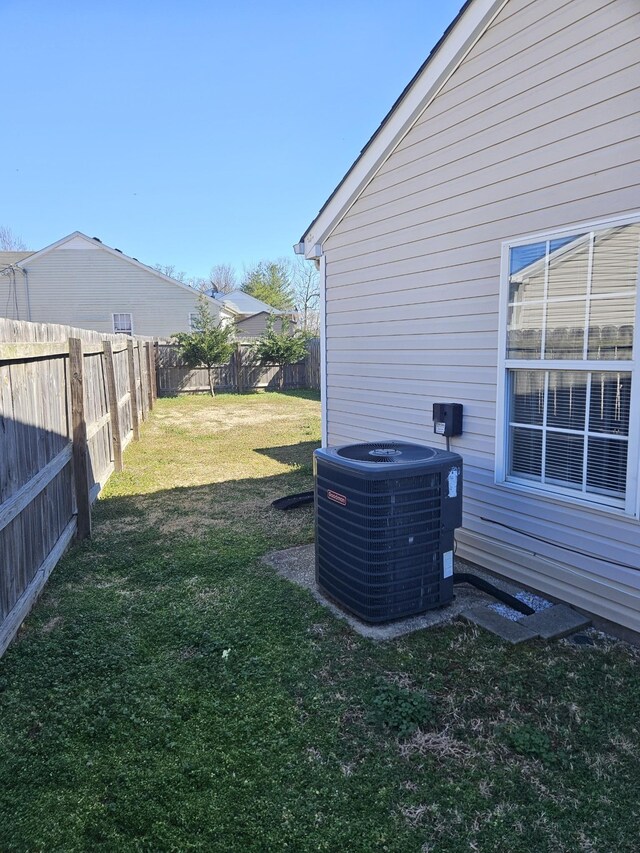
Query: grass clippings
172,693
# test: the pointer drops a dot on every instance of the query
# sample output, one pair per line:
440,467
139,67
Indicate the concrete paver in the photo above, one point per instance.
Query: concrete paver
506,629
555,622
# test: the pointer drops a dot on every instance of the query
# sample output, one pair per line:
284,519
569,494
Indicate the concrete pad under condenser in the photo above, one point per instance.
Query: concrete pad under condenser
298,566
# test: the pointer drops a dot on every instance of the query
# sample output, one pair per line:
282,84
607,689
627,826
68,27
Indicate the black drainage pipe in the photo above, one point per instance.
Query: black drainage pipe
494,591
293,501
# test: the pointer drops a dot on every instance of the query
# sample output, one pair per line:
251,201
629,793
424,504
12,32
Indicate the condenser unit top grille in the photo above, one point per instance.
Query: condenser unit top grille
395,452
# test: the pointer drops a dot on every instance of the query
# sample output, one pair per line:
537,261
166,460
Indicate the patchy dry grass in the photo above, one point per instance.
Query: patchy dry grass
171,693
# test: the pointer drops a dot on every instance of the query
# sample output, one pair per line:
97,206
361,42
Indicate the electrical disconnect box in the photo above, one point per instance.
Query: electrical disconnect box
447,419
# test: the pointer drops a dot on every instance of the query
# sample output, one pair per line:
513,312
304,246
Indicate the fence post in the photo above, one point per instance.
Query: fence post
147,349
133,393
144,399
239,382
154,361
112,397
79,447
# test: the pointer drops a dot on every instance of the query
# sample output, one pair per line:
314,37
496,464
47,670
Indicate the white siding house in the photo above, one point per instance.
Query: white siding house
78,281
255,325
252,316
495,217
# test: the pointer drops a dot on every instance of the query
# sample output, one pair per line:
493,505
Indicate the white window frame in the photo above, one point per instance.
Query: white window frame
631,506
113,322
192,316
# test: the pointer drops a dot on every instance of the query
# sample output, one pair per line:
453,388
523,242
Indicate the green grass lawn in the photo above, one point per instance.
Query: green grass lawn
170,692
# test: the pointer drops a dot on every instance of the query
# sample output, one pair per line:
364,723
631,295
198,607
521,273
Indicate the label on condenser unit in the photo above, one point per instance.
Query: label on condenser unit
447,564
336,497
452,482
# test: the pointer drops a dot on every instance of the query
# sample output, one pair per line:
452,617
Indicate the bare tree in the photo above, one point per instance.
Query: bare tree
172,272
305,282
10,242
223,278
197,283
201,284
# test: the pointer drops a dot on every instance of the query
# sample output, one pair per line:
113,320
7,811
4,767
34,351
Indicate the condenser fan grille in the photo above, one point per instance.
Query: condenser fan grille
395,452
384,533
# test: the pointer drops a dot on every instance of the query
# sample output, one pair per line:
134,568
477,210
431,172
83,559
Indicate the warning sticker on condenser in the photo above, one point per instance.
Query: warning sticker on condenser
452,482
337,497
447,564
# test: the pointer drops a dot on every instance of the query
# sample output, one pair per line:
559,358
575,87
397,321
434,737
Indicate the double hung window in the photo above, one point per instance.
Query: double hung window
570,379
123,324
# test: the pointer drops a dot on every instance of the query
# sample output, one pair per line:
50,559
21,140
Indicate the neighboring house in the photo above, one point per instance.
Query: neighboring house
251,315
483,249
79,281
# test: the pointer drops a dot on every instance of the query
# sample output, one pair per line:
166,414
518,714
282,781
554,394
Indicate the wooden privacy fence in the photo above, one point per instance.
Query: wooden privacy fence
242,373
70,402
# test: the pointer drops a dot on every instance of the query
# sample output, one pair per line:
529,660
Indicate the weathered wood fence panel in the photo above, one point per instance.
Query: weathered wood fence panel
58,421
313,364
242,373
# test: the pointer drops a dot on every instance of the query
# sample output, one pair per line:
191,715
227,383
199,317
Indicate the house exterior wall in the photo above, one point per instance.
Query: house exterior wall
537,129
13,295
82,285
256,325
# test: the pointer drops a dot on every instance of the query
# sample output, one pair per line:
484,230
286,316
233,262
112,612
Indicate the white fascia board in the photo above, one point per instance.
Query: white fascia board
324,382
465,33
116,254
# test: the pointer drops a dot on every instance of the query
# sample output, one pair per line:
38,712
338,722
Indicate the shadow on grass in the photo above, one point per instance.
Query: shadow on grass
299,393
234,515
292,454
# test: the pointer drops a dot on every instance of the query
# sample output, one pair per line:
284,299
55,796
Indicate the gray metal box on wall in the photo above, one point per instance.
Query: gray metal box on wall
385,518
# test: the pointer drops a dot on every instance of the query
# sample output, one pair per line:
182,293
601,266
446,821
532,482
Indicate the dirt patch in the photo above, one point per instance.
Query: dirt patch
51,624
216,420
197,515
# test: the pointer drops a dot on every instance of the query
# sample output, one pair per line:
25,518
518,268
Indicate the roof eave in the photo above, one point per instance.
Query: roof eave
117,254
463,32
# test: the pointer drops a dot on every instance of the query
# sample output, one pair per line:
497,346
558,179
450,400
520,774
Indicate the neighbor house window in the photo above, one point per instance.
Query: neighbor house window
570,380
193,321
123,324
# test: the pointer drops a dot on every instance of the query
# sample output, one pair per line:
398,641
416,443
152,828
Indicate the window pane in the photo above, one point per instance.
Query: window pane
527,396
615,260
526,452
559,242
565,330
521,257
569,269
610,403
122,323
607,466
564,459
527,272
572,299
567,399
611,328
524,335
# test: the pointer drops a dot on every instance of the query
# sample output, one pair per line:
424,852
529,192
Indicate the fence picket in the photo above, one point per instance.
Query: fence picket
242,373
57,416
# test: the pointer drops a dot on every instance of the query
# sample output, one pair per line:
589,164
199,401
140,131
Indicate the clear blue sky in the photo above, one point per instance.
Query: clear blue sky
193,133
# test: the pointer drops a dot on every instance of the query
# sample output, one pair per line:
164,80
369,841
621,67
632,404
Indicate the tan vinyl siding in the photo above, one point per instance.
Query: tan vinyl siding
253,326
257,324
536,130
85,287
